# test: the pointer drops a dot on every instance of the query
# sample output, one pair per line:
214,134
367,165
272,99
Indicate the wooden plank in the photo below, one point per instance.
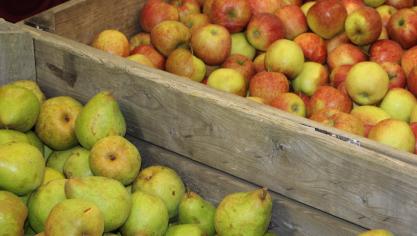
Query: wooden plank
248,140
82,20
289,217
17,59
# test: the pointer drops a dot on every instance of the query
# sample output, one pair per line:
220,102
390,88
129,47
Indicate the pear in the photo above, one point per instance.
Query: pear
25,198
56,122
9,136
51,174
376,232
21,167
100,117
185,229
111,234
32,86
77,165
19,108
13,214
35,141
28,230
244,213
117,158
163,182
108,194
148,216
75,217
40,234
193,209
47,151
43,200
57,159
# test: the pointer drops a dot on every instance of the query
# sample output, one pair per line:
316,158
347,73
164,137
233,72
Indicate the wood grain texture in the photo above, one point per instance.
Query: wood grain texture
289,217
251,141
17,60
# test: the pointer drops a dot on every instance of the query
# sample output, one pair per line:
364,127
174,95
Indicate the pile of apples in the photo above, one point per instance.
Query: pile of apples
66,169
350,64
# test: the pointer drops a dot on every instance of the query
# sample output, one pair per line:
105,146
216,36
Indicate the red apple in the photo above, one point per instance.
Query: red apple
259,62
294,20
112,41
395,73
139,39
182,62
283,3
342,88
267,85
263,6
329,97
409,60
186,7
313,46
402,27
242,64
386,11
327,18
385,50
345,54
232,14
339,75
352,5
154,12
336,41
339,120
304,97
413,127
150,52
290,102
169,35
195,21
363,26
412,81
264,29
211,43
400,3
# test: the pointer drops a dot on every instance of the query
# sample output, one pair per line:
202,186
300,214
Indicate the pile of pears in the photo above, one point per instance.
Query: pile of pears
66,169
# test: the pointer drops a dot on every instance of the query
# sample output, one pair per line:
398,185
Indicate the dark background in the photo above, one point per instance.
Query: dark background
16,10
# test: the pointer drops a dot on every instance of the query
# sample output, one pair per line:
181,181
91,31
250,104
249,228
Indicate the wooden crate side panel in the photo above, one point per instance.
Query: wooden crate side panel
17,59
242,138
289,217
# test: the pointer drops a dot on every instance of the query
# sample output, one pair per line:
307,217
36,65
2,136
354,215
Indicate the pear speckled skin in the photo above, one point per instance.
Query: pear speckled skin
12,136
149,216
78,164
19,108
74,217
43,200
100,117
56,122
21,168
13,214
32,86
163,182
193,209
185,229
109,195
244,214
57,159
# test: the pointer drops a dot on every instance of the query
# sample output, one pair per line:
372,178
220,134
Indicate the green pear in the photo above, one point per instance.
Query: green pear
56,122
163,182
25,198
9,136
40,234
13,214
111,234
51,174
117,158
32,86
19,108
108,194
21,168
129,188
148,216
193,209
35,141
244,213
47,151
43,200
185,229
75,217
28,230
57,159
100,117
77,164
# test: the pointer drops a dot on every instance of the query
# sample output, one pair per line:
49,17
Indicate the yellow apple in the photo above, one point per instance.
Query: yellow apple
394,133
399,103
228,80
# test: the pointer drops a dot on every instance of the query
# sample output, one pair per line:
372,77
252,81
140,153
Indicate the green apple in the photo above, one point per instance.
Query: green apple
394,133
240,45
399,103
228,80
285,56
312,76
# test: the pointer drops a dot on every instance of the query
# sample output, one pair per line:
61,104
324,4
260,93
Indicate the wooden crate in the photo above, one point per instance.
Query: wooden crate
344,175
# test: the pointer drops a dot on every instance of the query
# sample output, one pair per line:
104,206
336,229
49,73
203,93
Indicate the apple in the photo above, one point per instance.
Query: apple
290,102
374,3
327,18
376,232
195,21
312,76
367,83
339,74
402,28
211,43
207,6
394,133
396,75
370,116
232,14
264,29
154,12
112,41
240,45
186,7
182,62
242,64
259,62
141,59
169,35
285,56
412,81
340,120
263,6
409,60
152,54
363,26
413,127
267,85
139,39
345,54
385,51
413,116
336,41
400,3
386,11
328,97
384,34
399,103
342,88
306,6
227,80
293,19
283,3
313,46
353,5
